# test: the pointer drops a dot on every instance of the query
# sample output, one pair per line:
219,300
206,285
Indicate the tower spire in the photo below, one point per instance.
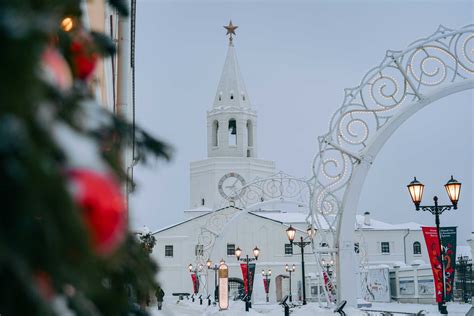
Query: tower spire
230,31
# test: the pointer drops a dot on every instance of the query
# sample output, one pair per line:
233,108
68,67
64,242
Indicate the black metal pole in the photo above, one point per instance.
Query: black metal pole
247,299
302,270
441,305
216,296
290,285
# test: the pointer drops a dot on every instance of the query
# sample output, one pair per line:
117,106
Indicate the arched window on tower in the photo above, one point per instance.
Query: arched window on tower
416,248
215,133
232,132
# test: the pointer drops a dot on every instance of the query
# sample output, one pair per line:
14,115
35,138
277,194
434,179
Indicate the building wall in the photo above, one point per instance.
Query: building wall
245,231
401,246
205,176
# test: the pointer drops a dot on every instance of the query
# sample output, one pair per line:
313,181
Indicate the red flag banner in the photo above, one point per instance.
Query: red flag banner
266,285
243,267
432,244
195,283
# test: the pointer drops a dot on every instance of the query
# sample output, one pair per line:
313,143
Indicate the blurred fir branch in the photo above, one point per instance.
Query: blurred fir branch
45,248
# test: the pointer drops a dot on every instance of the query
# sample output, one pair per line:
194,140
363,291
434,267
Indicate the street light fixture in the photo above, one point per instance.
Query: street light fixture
453,188
247,260
311,231
290,271
327,265
267,276
291,232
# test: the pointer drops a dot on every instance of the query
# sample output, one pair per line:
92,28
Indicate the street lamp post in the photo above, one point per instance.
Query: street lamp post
328,265
267,276
290,271
291,232
453,188
196,271
215,268
247,260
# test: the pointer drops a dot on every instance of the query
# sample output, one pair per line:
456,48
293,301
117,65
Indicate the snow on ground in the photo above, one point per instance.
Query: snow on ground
187,308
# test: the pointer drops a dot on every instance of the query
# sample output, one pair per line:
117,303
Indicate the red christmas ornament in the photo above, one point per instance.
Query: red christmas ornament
44,284
84,56
103,204
55,69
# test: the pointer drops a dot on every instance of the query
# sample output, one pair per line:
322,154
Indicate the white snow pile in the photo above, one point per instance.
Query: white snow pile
172,307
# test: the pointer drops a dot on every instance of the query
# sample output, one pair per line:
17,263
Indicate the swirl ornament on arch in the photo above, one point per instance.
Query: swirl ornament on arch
403,82
279,187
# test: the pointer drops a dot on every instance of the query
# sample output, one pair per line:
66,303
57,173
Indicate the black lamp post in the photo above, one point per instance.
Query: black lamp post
196,271
266,276
291,232
453,188
327,265
215,268
247,260
290,271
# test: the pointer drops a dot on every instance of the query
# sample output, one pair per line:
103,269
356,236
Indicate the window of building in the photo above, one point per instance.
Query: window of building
203,202
243,97
323,244
356,247
416,248
168,250
232,132
288,249
215,133
199,250
385,247
232,97
231,249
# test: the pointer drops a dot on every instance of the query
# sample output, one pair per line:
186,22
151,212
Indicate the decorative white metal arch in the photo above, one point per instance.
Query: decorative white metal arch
278,187
403,83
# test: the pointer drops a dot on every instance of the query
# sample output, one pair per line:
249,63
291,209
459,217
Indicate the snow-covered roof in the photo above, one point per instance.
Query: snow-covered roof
284,217
379,225
199,209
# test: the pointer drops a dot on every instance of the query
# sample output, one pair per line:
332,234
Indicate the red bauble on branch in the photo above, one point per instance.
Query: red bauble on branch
99,195
83,54
55,69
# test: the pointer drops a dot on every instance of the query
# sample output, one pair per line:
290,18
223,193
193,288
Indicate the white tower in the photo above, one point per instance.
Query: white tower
231,143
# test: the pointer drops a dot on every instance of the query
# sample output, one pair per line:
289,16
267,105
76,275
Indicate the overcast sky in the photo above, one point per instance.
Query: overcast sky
296,57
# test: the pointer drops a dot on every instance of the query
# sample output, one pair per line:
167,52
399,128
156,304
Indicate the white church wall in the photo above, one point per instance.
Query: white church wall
246,232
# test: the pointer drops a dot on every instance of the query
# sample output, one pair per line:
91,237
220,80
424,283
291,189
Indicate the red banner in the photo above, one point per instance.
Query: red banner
432,244
243,267
195,279
266,285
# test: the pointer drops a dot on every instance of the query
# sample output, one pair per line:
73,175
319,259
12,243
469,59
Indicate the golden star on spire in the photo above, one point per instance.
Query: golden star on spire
230,30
